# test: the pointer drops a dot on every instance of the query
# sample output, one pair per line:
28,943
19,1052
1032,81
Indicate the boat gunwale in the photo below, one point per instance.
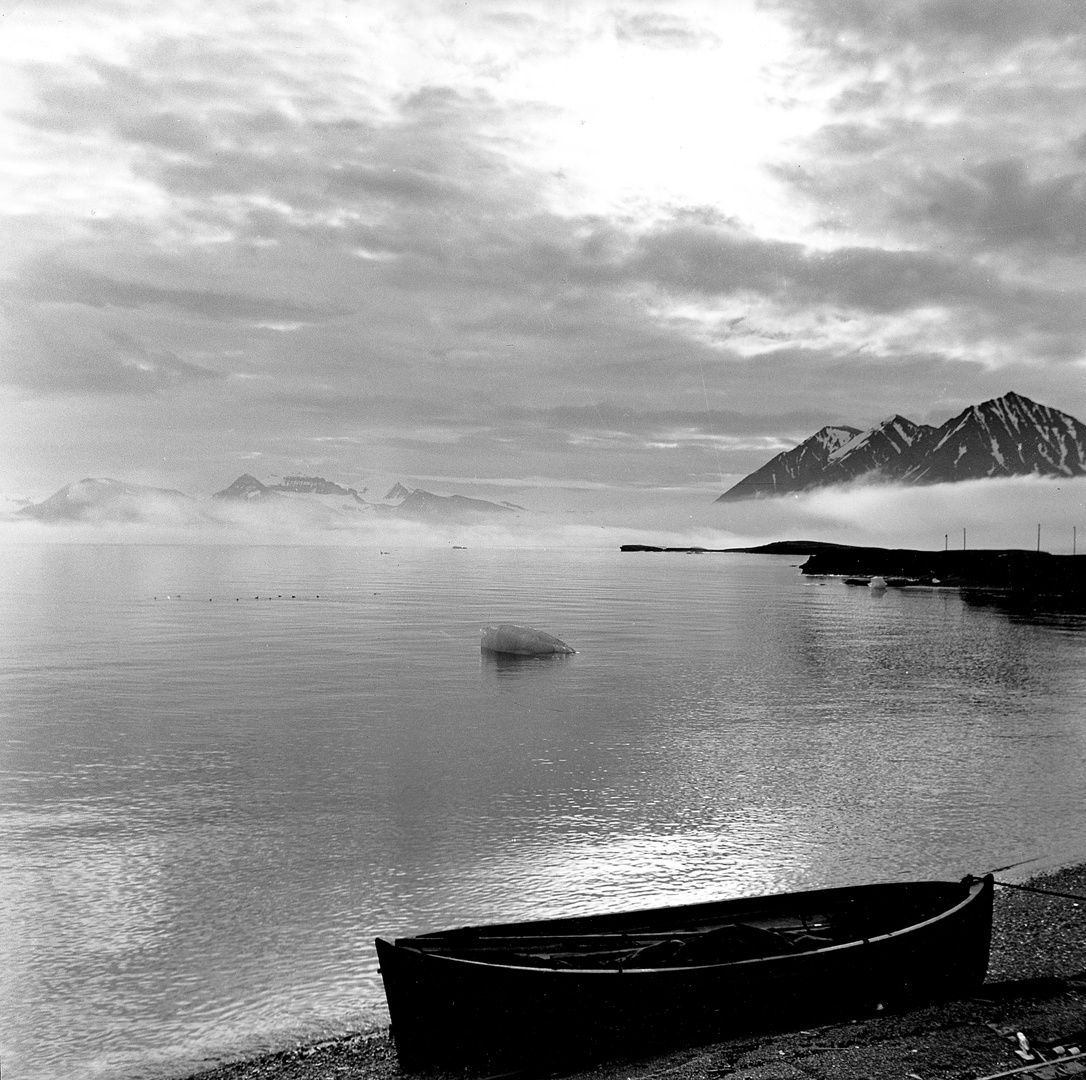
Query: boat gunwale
758,905
978,886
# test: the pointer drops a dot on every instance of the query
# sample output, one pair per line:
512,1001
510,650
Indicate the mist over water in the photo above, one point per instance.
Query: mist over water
225,769
983,513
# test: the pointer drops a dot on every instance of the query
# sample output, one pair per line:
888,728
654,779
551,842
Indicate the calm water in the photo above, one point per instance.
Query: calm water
211,803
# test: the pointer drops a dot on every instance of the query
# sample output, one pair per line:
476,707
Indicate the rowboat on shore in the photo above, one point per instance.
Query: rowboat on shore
582,988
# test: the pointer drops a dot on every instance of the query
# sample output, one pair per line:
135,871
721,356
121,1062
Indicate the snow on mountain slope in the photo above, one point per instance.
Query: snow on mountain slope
793,470
1006,436
879,450
104,499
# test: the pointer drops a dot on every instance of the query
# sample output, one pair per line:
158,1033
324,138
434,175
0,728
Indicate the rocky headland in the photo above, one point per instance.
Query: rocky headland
1008,571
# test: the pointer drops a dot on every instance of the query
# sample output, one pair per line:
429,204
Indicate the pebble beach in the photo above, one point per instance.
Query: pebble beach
1035,991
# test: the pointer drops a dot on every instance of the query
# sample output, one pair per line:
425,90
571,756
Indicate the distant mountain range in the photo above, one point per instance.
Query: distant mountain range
247,488
95,499
425,505
1007,436
310,499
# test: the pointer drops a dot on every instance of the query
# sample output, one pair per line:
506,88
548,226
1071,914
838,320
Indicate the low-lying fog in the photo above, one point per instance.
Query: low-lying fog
983,513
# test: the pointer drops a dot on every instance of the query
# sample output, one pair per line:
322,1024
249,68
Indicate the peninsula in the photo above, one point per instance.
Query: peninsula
1009,570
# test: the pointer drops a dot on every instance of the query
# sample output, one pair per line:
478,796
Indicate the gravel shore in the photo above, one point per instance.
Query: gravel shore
1036,986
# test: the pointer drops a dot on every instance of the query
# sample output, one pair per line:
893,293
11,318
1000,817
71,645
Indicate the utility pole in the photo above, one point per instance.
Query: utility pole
946,541
1074,539
1038,536
963,539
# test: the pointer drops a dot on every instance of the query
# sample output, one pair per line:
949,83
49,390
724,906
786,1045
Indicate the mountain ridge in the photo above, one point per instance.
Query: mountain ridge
83,500
1006,436
101,499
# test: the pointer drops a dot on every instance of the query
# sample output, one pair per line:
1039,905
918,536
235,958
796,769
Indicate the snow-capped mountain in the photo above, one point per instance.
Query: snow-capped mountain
303,501
425,505
879,449
399,502
103,499
302,489
1007,436
796,469
315,485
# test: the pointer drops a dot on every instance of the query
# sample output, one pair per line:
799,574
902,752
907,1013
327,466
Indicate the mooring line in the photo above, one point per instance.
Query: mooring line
1047,892
1011,866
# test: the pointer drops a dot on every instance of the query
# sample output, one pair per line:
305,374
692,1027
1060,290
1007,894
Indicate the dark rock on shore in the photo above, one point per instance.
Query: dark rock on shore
1034,573
1012,572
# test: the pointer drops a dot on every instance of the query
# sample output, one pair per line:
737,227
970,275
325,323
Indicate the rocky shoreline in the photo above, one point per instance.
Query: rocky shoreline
1009,571
1036,986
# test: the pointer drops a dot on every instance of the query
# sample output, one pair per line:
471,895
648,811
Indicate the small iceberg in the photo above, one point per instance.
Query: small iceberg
877,583
521,641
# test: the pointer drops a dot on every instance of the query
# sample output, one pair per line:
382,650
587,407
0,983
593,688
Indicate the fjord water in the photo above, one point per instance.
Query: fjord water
226,769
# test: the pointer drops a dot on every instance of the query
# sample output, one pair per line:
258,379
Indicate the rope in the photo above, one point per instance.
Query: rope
1047,892
1063,858
1011,866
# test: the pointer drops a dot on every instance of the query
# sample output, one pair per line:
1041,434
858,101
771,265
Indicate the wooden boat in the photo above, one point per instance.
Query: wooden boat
583,988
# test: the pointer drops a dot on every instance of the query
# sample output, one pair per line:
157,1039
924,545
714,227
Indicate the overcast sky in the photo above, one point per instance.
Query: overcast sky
628,244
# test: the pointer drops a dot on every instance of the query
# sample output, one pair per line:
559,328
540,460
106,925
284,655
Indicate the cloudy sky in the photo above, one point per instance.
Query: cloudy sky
531,246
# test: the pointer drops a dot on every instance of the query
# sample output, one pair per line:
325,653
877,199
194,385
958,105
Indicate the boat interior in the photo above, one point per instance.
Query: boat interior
731,936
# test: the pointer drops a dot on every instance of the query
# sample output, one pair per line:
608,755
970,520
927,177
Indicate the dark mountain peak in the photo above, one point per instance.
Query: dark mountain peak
1012,408
876,451
1006,436
897,428
795,469
397,492
245,488
313,485
425,505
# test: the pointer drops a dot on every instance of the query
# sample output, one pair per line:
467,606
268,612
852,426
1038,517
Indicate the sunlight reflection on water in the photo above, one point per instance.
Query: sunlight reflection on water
212,804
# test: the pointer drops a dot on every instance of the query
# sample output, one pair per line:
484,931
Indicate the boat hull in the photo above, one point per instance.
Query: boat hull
450,1007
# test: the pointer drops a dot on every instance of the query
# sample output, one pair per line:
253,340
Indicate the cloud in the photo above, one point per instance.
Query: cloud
51,281
55,351
1001,513
993,514
946,106
662,30
866,278
998,205
996,25
373,227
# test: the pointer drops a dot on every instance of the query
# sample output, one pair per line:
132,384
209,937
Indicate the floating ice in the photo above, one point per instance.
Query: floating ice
521,641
